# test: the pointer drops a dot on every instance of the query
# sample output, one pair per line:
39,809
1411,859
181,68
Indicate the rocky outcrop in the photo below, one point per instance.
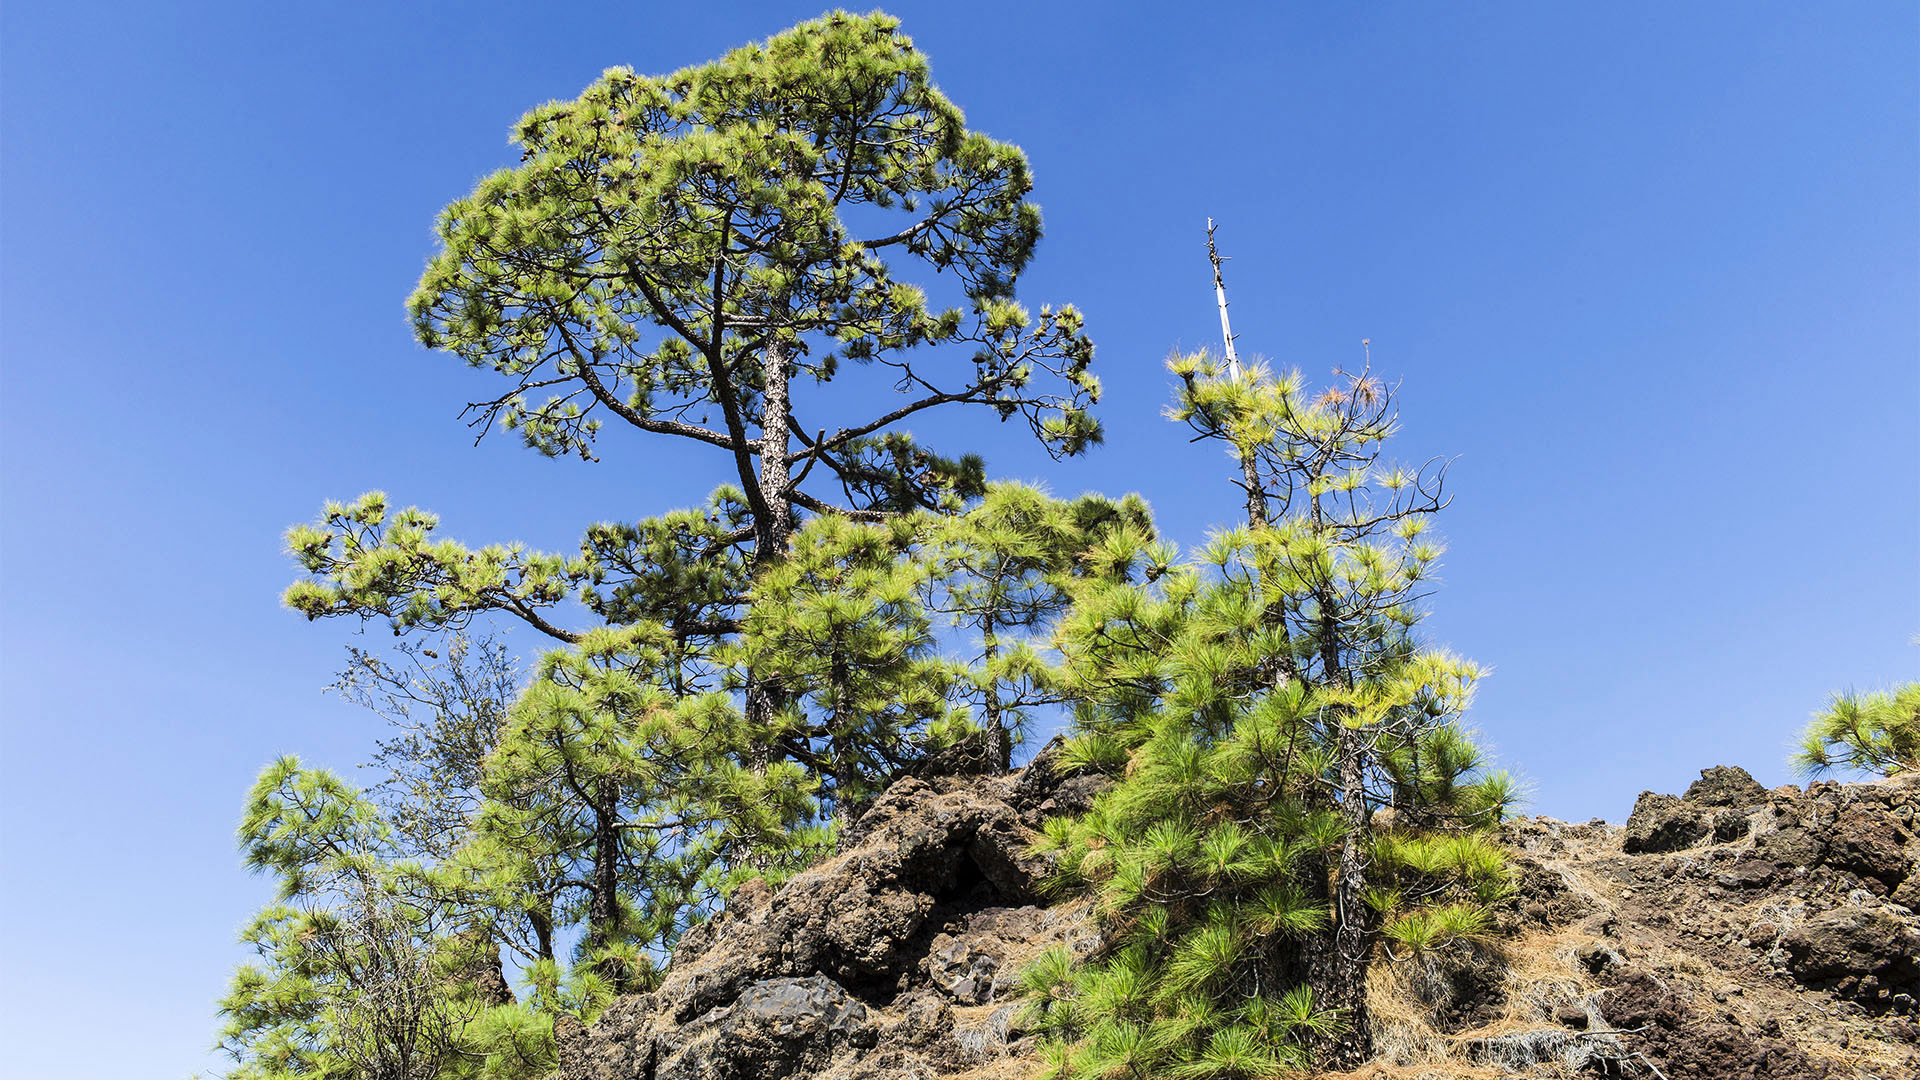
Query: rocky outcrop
1717,807
1663,823
893,959
1729,931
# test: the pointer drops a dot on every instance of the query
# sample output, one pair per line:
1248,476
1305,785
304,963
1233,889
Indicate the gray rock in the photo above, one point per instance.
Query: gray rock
773,1030
962,969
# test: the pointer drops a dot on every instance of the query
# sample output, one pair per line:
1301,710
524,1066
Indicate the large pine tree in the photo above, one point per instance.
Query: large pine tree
706,257
679,252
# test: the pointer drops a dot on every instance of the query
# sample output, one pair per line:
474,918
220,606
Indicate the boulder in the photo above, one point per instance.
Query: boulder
1728,786
962,970
773,1030
1866,953
1663,823
1869,841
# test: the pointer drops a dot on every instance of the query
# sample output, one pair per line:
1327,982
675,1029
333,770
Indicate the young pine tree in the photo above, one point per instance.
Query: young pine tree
841,627
1258,706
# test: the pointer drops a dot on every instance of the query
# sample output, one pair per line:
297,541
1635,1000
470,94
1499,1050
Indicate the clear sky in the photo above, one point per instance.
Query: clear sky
1650,271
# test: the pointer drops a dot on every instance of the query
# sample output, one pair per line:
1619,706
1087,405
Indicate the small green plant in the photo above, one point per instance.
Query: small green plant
1877,733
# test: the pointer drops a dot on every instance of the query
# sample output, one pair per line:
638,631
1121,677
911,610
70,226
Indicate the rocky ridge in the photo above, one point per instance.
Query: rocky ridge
1729,931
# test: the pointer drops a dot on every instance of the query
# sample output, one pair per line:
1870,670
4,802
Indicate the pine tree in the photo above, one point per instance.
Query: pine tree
676,252
842,620
615,804
1875,733
1258,705
364,969
1004,574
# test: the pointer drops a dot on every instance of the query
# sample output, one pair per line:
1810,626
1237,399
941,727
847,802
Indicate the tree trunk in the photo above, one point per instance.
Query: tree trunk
1345,985
1353,937
774,536
999,739
1256,494
603,908
773,531
542,933
842,763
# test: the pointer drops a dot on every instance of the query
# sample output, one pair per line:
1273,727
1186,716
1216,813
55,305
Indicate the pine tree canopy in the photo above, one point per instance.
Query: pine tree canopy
673,251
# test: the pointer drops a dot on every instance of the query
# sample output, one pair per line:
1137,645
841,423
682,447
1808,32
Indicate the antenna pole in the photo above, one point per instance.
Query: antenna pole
1220,296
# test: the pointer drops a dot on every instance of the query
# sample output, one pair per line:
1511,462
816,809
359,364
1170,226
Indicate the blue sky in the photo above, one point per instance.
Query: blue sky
1650,271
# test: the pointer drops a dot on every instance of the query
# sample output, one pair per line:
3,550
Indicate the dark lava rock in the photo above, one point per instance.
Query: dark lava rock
1726,785
1046,788
893,959
1870,842
962,970
1729,824
1663,823
862,918
852,968
1789,843
1865,953
1674,1031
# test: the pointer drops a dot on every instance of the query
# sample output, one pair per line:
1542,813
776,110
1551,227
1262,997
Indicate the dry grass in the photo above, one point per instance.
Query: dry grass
1003,1069
1448,1071
1876,1058
1020,954
1541,977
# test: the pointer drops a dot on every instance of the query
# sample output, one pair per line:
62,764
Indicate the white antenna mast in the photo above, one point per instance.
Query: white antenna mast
1220,295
